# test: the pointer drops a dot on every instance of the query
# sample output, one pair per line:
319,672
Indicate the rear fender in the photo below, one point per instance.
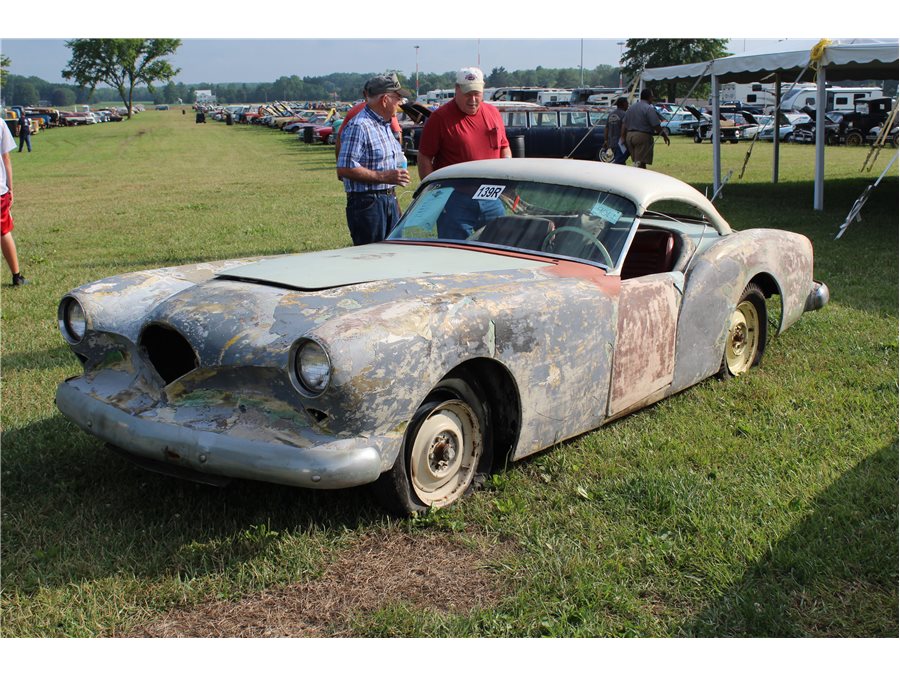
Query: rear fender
714,285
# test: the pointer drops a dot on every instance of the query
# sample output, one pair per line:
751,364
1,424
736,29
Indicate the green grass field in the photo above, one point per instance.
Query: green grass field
764,506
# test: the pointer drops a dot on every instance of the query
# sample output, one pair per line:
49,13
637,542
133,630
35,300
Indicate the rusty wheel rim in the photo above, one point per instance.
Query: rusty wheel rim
743,338
445,454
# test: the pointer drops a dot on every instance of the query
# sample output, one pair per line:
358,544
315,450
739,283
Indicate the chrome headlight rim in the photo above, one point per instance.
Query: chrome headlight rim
73,322
311,367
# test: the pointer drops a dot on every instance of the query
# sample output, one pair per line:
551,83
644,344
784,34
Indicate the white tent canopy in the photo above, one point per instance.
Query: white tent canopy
860,60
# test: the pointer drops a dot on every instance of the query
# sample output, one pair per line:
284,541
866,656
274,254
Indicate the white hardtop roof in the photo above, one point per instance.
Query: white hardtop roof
641,186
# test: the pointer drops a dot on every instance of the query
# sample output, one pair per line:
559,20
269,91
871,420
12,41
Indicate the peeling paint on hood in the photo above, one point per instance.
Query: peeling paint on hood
374,262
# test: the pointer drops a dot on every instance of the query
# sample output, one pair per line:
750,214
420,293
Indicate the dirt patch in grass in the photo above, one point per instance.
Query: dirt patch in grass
426,572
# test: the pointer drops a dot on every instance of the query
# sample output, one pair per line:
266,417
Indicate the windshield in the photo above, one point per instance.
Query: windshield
555,220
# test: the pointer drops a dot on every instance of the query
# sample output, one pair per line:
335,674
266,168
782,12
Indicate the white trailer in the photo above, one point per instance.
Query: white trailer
836,98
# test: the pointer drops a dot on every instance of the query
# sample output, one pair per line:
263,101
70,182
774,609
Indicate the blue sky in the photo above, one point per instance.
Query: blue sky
259,42
264,60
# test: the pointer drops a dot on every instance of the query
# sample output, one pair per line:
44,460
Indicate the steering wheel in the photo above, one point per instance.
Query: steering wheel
585,235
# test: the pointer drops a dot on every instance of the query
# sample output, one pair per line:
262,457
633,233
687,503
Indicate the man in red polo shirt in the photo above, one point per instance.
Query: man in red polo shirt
462,130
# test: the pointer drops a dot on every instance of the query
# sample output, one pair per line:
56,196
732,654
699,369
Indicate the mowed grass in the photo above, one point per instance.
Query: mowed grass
764,506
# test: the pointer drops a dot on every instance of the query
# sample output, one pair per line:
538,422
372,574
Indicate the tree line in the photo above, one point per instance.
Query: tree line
132,67
30,91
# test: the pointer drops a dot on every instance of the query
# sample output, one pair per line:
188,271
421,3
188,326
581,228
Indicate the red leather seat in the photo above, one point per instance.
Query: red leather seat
651,252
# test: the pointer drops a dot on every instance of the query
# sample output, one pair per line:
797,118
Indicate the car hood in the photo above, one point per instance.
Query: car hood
374,262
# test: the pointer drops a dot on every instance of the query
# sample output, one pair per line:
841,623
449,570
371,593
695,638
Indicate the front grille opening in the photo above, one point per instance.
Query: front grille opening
170,354
317,415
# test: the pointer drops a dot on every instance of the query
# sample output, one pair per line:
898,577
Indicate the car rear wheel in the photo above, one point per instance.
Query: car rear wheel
697,139
854,138
443,451
746,338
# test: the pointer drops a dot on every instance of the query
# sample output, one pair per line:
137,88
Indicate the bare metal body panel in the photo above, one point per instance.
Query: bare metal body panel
579,344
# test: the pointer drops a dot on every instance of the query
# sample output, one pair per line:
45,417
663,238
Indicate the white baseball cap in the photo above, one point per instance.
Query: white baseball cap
470,79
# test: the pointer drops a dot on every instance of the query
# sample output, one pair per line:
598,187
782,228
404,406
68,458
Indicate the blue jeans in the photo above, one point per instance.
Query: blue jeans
23,140
619,155
462,215
370,216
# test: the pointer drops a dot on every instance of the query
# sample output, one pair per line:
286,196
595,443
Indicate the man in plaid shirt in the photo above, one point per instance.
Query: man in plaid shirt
368,163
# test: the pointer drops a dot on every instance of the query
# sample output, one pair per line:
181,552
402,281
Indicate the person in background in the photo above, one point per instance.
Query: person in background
368,162
641,123
6,198
354,111
463,129
612,137
24,133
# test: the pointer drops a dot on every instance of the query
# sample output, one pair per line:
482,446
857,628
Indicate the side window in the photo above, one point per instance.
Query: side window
543,119
573,119
840,100
517,119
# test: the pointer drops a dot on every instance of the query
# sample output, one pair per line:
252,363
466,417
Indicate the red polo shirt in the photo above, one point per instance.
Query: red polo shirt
451,136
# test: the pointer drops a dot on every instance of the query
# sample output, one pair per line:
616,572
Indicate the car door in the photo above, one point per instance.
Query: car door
542,137
644,354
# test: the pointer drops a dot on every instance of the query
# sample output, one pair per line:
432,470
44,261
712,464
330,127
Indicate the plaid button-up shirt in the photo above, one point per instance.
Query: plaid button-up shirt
367,141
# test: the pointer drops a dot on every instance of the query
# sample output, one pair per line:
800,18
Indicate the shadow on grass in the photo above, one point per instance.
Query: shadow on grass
861,268
834,575
45,359
74,510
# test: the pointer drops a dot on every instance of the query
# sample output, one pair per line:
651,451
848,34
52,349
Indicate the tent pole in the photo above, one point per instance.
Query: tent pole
776,142
716,128
819,190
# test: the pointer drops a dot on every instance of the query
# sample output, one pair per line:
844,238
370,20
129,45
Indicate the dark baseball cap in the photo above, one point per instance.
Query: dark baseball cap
386,84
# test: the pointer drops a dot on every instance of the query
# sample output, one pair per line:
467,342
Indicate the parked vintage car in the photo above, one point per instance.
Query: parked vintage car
518,303
856,125
728,130
805,129
681,122
539,131
890,139
72,119
762,127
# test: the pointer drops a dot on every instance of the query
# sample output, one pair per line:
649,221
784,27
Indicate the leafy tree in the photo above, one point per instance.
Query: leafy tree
121,63
62,97
27,94
499,77
4,69
656,53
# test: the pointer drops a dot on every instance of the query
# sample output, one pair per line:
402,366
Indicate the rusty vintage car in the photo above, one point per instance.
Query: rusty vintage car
518,303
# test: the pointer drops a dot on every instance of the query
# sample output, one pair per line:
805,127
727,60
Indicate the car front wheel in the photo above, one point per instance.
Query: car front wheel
746,338
444,449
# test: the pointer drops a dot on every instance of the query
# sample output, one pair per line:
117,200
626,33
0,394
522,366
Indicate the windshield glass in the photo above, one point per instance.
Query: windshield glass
554,220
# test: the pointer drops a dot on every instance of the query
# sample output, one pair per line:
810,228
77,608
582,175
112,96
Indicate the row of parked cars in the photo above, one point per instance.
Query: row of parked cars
533,130
45,118
310,125
853,128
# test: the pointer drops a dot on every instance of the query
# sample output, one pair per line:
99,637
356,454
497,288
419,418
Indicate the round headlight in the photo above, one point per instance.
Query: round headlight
72,320
312,367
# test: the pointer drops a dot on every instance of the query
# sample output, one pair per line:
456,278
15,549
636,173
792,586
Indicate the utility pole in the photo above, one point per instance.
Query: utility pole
621,47
582,63
417,71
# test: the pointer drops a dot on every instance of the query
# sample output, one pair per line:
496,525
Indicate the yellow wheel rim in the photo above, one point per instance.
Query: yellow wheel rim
743,338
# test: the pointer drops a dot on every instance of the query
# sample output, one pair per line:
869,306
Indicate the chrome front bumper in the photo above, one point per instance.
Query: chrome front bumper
818,297
334,463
